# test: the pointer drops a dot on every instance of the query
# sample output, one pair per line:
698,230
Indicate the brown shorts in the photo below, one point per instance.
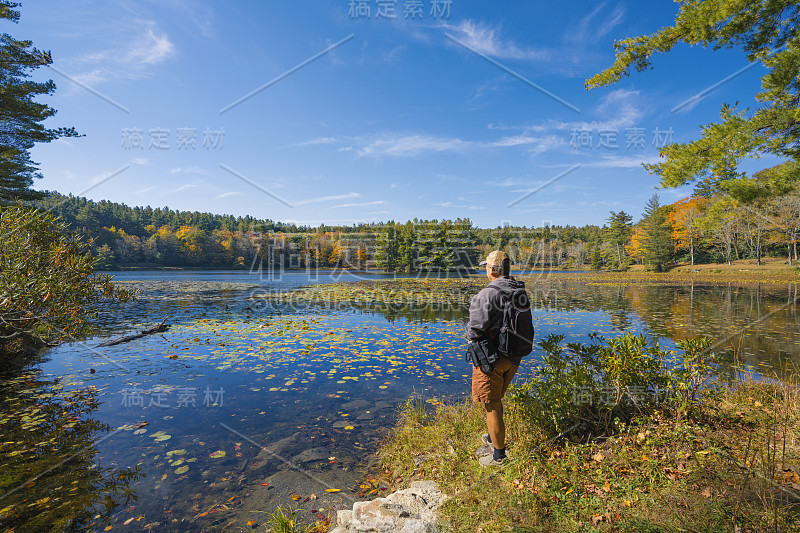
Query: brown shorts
490,387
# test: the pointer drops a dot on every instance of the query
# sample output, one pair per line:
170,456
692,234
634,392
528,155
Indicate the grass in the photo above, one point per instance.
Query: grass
726,464
285,521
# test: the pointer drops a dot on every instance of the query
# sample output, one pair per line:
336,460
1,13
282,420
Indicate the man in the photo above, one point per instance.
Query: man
485,318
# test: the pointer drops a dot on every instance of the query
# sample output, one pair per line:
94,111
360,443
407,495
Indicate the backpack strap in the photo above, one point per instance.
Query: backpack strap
500,321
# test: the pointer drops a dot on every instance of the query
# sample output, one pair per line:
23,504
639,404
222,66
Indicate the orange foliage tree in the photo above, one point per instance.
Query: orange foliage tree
685,220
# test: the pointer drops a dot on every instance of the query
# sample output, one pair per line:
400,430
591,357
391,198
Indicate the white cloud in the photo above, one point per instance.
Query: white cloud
622,161
186,187
227,194
139,161
411,145
146,47
362,204
487,40
189,170
592,27
146,190
328,198
318,140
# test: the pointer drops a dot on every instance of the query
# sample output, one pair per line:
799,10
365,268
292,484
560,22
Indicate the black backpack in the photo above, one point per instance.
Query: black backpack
515,338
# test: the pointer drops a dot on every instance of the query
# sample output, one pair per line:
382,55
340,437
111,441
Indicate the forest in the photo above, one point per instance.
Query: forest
708,227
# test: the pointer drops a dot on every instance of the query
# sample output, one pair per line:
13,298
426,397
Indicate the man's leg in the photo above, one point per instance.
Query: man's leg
495,424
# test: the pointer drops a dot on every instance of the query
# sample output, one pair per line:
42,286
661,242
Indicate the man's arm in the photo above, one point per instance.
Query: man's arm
479,315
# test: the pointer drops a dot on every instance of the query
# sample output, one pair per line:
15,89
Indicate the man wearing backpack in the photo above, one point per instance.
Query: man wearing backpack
488,312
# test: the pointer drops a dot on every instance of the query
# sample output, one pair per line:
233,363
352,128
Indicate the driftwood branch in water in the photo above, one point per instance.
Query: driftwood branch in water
158,328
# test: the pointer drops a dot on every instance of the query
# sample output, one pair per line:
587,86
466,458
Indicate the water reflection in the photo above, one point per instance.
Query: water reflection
51,478
318,384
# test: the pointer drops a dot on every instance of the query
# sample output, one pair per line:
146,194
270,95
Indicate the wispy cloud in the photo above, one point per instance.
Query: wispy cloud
318,140
186,187
621,161
189,170
328,198
596,24
487,39
412,145
362,204
228,194
145,47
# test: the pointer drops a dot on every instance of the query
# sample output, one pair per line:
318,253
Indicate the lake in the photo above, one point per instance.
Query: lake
245,404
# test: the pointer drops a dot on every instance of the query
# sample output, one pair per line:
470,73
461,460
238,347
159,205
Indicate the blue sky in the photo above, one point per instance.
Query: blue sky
480,112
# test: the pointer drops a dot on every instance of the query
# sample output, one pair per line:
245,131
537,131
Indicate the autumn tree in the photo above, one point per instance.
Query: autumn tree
685,220
784,213
721,222
767,31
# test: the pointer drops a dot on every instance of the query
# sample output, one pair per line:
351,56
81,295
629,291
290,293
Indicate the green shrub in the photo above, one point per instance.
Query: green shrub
599,384
49,291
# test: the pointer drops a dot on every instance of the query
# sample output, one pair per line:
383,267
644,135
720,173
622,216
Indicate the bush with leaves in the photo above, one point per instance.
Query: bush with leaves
593,386
49,291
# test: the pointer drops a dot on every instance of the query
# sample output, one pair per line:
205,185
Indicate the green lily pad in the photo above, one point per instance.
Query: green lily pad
218,454
181,470
163,438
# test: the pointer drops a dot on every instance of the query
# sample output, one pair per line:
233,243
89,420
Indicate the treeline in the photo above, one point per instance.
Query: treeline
741,218
144,236
714,225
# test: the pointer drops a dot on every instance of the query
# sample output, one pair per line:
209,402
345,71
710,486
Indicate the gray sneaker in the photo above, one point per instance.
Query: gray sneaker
486,439
489,460
486,449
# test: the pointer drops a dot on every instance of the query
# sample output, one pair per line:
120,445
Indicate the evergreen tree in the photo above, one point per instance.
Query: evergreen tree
20,116
767,31
657,241
386,255
619,234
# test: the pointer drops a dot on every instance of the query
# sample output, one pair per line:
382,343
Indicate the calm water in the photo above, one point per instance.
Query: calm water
239,408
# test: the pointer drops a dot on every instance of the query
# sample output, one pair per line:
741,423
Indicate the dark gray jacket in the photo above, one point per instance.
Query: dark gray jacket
486,311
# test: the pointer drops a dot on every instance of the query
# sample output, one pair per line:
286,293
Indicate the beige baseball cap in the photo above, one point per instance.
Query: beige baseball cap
495,258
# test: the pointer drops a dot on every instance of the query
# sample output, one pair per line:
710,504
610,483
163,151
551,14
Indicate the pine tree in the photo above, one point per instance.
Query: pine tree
20,116
656,240
619,234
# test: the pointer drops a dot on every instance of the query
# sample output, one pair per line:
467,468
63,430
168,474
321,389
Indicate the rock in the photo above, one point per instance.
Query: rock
312,454
381,405
343,424
412,510
366,416
355,404
277,448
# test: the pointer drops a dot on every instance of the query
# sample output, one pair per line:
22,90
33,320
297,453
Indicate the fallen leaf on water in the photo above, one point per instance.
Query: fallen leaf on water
332,490
251,522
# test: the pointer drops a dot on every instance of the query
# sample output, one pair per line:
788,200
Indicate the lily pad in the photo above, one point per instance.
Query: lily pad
218,454
182,470
163,438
